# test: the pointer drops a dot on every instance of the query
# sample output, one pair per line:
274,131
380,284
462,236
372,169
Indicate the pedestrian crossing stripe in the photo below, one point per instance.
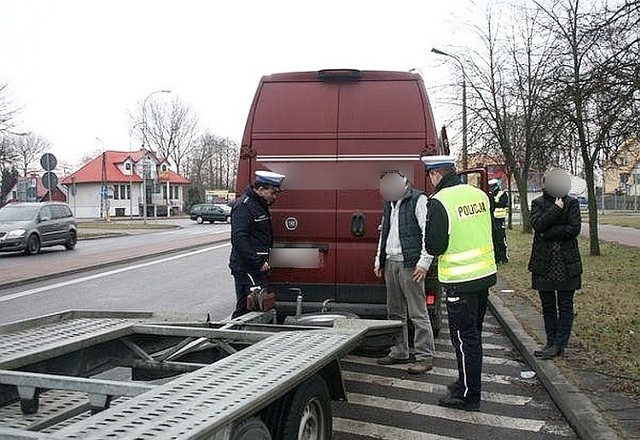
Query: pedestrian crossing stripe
488,360
485,346
382,432
505,399
448,372
476,418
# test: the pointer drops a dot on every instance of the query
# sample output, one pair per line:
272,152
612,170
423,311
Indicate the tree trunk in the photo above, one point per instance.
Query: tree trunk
594,242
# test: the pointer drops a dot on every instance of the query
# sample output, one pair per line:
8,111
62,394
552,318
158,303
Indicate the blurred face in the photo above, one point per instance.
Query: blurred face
392,187
435,177
268,193
557,183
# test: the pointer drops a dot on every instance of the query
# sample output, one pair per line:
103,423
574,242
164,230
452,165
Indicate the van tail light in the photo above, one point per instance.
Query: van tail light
430,297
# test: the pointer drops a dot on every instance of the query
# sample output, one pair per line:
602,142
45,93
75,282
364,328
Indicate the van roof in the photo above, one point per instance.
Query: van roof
364,75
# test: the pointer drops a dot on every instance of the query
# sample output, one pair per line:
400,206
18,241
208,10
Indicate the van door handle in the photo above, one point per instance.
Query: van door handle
357,224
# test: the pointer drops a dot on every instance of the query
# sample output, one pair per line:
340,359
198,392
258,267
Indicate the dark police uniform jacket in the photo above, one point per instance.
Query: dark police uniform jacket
251,233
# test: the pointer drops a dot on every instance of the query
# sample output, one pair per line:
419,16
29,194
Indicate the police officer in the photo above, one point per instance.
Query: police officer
252,237
458,231
499,202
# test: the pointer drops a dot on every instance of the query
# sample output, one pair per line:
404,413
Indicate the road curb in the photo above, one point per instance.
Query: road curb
98,266
582,414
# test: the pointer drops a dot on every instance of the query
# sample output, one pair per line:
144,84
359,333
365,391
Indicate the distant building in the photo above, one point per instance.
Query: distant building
31,189
622,175
113,185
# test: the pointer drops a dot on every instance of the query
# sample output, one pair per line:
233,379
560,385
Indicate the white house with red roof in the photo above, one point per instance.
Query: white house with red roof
122,173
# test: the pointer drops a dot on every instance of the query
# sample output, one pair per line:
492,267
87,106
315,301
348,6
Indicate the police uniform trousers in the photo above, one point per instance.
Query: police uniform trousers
244,282
500,241
466,314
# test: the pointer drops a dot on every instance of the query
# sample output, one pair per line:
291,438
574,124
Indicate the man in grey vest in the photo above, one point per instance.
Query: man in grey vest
404,262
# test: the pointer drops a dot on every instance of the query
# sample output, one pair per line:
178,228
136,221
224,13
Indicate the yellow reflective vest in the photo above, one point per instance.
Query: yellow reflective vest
469,255
499,212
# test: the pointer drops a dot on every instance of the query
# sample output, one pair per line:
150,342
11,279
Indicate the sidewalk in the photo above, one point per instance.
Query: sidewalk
619,234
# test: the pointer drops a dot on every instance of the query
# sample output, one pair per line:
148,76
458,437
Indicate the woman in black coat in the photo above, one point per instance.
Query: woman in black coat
555,263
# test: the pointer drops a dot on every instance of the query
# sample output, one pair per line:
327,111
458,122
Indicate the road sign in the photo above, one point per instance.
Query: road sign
50,180
48,162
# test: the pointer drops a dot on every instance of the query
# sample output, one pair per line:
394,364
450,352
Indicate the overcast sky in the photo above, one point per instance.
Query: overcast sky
76,67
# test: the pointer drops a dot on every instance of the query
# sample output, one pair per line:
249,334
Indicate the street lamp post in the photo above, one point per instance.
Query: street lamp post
145,162
464,104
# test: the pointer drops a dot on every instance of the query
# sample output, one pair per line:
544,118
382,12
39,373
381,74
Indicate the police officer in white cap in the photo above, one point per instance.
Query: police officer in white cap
252,237
458,231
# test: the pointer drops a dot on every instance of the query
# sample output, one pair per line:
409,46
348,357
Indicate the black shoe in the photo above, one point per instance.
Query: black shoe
551,352
457,403
538,353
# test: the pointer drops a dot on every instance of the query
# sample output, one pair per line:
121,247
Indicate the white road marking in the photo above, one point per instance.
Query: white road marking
485,345
506,399
108,273
448,372
382,432
476,418
489,360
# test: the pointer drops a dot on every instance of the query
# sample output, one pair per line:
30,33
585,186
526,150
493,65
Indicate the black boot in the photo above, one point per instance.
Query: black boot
552,352
538,352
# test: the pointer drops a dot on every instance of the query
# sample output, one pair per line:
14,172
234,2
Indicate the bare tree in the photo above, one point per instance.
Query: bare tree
28,149
170,129
7,110
508,82
596,77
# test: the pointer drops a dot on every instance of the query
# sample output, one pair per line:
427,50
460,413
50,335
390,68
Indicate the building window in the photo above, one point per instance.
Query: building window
115,192
164,168
164,192
128,192
623,161
121,192
127,166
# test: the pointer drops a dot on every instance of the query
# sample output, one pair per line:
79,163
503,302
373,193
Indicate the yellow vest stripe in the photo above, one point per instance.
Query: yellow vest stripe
466,255
467,269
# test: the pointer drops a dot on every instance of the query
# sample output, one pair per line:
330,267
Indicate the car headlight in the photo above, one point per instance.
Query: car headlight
16,233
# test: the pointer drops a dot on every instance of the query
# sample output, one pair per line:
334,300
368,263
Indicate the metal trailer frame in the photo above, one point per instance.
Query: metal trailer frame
46,364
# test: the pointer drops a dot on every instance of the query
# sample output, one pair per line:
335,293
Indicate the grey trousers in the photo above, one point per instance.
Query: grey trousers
404,294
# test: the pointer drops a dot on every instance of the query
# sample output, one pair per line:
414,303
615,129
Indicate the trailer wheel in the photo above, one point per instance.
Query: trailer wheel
250,429
307,414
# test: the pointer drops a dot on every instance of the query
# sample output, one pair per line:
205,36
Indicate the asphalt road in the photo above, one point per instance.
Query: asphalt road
195,282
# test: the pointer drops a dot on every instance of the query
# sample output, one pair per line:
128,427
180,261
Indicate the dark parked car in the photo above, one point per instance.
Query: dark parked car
209,213
28,227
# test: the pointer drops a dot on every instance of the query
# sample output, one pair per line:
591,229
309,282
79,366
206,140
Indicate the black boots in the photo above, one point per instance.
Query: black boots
551,352
538,353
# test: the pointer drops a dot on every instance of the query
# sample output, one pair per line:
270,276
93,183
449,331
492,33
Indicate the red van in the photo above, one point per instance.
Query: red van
332,133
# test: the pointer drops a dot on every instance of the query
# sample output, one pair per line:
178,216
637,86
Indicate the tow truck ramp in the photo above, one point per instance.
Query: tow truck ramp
239,379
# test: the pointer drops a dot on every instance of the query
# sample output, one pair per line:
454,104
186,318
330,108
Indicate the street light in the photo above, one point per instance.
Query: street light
144,138
464,104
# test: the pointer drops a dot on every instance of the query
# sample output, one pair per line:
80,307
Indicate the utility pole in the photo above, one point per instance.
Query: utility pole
464,105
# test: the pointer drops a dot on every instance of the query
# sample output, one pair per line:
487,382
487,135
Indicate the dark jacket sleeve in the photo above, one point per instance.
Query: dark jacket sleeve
542,220
572,226
437,228
503,201
241,220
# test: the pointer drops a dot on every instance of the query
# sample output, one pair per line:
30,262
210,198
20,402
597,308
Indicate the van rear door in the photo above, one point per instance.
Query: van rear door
294,133
381,127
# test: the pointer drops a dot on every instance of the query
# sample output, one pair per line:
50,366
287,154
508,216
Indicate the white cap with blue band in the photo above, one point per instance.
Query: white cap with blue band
437,162
269,178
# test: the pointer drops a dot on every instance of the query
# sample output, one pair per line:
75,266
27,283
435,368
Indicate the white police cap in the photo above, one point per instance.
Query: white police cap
494,182
270,178
436,162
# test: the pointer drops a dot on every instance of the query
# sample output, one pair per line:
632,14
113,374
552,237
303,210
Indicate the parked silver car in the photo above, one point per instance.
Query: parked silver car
28,227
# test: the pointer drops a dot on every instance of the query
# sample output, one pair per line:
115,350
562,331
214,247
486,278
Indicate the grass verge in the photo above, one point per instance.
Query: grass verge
629,220
606,331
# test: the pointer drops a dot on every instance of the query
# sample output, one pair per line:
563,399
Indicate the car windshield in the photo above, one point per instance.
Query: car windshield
17,213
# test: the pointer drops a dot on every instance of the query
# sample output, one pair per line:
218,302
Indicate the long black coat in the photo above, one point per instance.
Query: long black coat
555,262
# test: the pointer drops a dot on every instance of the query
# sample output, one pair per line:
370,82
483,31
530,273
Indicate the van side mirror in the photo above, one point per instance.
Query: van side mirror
44,219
